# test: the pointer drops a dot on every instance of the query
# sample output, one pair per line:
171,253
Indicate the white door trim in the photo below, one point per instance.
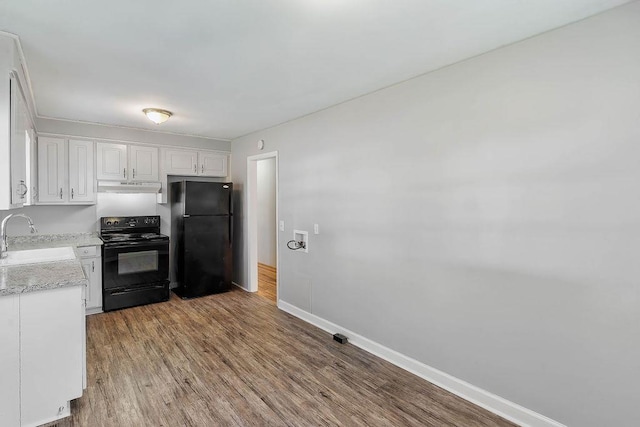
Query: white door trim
251,225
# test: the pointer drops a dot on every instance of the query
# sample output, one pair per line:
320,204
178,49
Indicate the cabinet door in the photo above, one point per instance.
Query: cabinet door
181,162
93,270
51,353
143,162
32,167
212,164
10,360
18,146
51,170
92,302
111,161
81,171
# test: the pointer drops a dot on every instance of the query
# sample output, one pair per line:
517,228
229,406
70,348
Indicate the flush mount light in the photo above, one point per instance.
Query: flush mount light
156,115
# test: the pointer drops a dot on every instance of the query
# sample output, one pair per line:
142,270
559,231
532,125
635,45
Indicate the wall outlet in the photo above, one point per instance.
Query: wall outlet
281,225
316,229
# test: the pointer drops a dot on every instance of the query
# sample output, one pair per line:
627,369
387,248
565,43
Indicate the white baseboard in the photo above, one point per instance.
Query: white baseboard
489,401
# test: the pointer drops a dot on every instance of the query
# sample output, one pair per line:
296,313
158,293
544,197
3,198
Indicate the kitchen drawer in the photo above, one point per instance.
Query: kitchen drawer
88,251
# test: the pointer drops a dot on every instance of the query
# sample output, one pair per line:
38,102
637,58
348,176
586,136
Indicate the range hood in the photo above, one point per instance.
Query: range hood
128,187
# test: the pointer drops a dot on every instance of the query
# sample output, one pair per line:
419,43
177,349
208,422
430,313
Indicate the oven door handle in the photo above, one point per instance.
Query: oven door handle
136,289
142,246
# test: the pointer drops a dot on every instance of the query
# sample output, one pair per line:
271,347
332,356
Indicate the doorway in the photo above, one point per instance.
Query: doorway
262,224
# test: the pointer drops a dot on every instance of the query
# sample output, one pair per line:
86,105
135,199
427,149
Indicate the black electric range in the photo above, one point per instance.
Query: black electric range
135,262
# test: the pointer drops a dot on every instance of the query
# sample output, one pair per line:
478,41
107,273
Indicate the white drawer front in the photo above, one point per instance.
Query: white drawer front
87,251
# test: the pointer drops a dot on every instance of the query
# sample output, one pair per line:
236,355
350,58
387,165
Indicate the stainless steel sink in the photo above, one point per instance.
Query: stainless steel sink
35,256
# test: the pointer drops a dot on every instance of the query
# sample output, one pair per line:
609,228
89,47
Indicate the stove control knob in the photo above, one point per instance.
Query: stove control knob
146,220
115,222
108,222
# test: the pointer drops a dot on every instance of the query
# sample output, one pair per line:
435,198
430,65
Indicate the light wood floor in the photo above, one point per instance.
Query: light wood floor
267,282
234,359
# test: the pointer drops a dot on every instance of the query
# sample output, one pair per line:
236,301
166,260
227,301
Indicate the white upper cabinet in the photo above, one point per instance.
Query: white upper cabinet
212,164
111,161
121,162
181,162
19,124
191,162
65,171
81,181
51,170
143,162
15,127
185,162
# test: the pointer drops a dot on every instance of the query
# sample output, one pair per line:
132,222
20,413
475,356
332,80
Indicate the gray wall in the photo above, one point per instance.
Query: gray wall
266,171
490,210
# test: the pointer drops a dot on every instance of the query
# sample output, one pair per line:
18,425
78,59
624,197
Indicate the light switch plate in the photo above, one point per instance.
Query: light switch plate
281,225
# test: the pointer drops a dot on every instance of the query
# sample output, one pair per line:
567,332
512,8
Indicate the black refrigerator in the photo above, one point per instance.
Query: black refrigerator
201,236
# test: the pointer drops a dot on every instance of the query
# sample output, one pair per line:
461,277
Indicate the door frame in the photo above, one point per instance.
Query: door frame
252,221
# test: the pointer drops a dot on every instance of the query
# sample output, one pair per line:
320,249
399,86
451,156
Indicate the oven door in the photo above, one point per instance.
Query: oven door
129,265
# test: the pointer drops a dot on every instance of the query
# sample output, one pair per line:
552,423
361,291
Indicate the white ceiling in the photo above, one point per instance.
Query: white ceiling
230,67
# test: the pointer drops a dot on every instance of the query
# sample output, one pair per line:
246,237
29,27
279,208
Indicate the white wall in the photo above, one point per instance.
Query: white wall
490,211
266,192
124,204
53,219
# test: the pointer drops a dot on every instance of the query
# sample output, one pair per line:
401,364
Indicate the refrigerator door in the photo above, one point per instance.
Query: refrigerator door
207,198
207,255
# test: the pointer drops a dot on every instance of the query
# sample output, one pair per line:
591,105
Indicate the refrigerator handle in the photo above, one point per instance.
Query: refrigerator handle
230,231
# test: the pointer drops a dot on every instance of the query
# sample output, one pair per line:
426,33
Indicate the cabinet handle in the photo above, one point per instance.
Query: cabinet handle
93,266
195,168
124,172
61,192
72,193
203,168
134,174
23,193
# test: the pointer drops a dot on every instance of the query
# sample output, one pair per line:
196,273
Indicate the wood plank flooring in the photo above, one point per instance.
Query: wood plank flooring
267,282
234,359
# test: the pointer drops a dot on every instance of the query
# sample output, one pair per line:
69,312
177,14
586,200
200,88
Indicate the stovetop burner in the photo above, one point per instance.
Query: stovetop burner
132,237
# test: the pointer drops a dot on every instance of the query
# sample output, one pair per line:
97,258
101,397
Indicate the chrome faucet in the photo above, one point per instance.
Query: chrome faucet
3,231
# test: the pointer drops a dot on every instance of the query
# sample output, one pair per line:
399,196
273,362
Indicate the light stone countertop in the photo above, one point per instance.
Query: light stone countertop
18,279
40,241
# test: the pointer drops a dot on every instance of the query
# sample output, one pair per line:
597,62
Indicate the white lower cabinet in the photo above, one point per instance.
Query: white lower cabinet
92,265
51,356
10,360
41,355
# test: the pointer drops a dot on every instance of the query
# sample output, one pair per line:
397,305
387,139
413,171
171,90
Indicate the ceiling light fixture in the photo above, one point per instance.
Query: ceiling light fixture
156,115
